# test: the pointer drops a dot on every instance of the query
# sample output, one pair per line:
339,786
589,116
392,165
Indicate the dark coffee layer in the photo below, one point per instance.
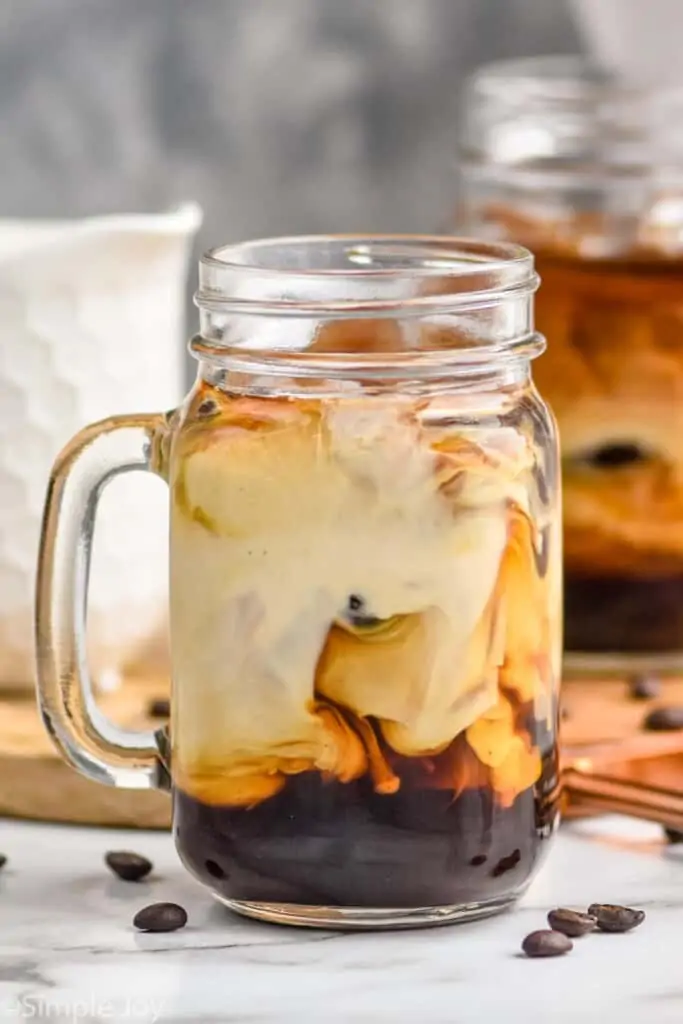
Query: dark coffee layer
624,616
329,843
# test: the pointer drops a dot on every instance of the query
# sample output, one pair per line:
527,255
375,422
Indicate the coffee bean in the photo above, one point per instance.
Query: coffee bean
159,708
673,836
613,456
207,408
160,917
642,687
613,918
3,860
131,867
356,613
666,719
571,923
508,863
546,943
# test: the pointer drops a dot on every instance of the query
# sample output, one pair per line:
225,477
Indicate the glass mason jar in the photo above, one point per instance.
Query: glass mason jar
589,174
365,585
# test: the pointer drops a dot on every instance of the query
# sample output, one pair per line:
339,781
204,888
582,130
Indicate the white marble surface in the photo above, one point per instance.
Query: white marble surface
68,951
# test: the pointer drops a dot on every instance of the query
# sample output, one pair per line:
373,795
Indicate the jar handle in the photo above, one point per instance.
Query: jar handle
86,739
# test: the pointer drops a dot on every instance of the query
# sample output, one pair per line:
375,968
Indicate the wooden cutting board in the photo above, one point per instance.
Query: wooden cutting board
36,783
602,711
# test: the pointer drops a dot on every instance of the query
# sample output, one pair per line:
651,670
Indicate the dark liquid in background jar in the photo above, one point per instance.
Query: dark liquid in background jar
321,842
613,374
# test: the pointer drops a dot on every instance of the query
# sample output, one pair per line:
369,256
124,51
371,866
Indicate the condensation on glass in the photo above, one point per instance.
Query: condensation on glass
589,174
365,584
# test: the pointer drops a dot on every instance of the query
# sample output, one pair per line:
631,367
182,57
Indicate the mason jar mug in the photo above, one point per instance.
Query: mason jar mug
365,585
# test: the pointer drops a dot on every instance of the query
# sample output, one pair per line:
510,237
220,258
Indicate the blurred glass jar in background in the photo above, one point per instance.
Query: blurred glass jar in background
91,321
588,174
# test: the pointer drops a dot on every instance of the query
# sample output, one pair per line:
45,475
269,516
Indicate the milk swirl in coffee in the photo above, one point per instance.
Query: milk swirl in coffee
363,648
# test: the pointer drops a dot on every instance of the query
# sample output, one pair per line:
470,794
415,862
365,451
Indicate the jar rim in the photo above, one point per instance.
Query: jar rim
570,77
566,120
360,249
566,76
374,275
261,303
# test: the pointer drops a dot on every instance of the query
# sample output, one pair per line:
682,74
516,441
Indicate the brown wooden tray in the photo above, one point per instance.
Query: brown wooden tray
611,763
35,782
602,711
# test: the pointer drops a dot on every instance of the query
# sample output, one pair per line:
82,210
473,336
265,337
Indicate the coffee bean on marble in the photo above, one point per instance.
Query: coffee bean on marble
666,719
131,867
613,918
546,943
673,836
160,917
645,687
159,708
571,923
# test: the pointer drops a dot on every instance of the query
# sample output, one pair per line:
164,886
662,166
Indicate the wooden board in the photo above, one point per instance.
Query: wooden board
36,783
602,711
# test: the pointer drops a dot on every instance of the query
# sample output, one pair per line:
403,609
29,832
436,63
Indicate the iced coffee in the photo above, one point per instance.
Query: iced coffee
365,590
365,594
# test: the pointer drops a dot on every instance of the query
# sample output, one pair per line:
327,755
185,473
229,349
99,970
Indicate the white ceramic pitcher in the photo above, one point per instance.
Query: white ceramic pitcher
91,322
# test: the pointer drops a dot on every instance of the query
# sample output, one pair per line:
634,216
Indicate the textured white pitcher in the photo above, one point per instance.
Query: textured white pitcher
91,323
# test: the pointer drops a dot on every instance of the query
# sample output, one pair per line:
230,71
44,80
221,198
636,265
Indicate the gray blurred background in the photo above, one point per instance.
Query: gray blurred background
277,116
